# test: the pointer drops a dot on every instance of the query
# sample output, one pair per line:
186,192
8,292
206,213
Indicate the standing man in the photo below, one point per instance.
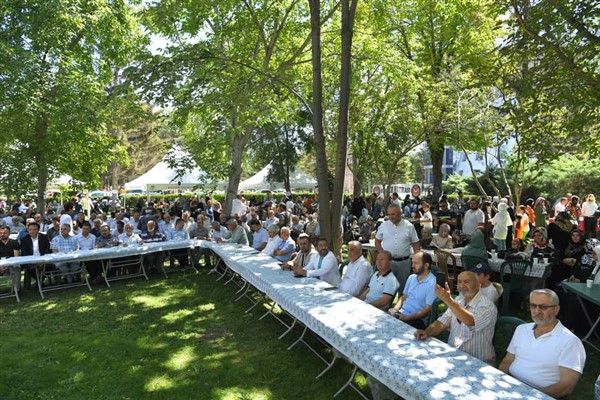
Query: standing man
324,267
544,354
397,235
86,205
473,218
414,306
358,271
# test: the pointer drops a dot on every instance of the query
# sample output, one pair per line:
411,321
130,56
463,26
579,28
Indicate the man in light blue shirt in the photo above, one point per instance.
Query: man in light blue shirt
286,247
383,283
414,306
260,237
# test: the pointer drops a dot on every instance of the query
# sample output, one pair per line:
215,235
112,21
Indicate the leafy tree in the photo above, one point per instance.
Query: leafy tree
58,56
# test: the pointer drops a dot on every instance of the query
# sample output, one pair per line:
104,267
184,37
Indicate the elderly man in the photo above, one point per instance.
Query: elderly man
414,306
302,258
358,271
274,240
471,318
33,244
129,237
260,236
324,266
397,236
155,260
286,247
235,233
16,225
544,354
271,219
383,284
65,243
217,231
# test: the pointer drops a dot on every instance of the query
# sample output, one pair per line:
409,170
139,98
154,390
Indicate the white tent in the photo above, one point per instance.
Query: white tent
162,177
298,180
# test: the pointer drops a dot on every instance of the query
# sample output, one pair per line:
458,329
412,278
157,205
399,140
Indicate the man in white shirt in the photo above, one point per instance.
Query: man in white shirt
324,267
472,218
302,258
397,236
544,354
274,240
358,271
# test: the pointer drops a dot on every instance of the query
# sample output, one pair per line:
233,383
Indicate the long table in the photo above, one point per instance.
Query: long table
380,345
593,296
103,254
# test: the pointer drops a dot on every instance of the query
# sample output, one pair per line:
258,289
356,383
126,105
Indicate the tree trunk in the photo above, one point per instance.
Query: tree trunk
41,131
436,152
357,187
235,174
317,121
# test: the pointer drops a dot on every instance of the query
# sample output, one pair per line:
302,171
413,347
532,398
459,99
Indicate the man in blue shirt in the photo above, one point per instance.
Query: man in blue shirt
383,283
414,306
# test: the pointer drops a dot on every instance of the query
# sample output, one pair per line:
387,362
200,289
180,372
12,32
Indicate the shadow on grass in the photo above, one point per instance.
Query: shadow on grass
175,338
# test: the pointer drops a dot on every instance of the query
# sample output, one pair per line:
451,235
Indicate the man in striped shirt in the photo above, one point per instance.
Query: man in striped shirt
471,318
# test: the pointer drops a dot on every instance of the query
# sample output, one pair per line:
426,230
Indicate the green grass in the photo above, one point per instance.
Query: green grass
177,338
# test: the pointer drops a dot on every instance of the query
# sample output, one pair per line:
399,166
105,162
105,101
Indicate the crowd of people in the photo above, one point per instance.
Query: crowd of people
402,281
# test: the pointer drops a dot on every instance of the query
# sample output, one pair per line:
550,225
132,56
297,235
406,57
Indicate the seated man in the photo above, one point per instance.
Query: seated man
286,247
33,244
235,233
9,248
201,232
302,258
471,319
544,354
414,306
358,271
179,233
154,261
65,243
217,231
260,236
129,238
274,240
16,225
324,266
383,284
87,241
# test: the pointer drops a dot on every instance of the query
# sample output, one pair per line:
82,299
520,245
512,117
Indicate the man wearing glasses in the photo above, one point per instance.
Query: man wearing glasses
446,216
544,354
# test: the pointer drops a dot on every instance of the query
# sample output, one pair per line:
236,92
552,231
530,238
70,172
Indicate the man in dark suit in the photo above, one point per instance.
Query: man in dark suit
33,244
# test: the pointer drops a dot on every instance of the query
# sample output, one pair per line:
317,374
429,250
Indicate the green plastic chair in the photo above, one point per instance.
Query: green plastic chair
512,273
503,333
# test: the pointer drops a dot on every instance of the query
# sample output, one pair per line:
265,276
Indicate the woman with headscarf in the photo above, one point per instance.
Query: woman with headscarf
559,231
364,213
540,212
476,247
501,222
443,240
540,247
570,315
568,259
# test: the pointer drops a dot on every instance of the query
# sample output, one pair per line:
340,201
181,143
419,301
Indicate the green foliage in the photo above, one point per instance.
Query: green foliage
60,56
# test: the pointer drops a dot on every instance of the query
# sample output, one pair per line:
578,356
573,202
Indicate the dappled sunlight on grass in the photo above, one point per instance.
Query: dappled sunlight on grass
236,393
79,355
177,315
153,301
150,343
159,383
181,359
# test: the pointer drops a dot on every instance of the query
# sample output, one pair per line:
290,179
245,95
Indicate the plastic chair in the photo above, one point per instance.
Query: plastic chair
512,273
447,262
503,333
470,262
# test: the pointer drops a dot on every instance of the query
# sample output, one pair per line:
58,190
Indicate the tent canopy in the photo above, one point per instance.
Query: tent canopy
298,180
162,177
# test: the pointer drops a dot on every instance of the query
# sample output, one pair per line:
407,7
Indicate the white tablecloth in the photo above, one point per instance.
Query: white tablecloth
380,345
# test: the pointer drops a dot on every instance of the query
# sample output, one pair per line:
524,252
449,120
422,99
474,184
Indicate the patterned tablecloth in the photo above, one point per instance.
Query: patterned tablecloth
380,345
100,254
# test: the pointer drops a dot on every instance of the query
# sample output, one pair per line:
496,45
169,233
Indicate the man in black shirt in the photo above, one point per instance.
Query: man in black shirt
10,248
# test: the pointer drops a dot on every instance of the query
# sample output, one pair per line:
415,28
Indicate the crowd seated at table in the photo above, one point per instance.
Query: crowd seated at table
289,231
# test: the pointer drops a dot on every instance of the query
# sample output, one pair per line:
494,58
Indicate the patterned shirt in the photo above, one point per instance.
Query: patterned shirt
475,340
64,245
109,241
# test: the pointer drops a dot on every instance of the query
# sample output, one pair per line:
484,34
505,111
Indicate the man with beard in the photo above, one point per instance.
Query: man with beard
544,354
324,267
472,218
304,256
414,306
471,318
